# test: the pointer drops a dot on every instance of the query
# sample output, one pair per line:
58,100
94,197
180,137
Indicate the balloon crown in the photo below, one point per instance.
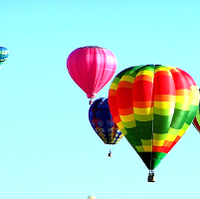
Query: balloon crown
91,47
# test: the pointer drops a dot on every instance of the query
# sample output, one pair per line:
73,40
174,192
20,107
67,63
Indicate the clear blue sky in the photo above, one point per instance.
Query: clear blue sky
48,149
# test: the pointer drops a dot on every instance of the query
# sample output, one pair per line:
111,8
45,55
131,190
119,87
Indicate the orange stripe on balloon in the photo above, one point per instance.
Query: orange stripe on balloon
170,98
173,143
112,93
125,84
143,104
126,111
143,78
177,138
163,73
183,92
167,143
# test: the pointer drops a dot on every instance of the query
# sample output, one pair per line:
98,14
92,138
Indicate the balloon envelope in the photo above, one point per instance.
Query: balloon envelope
102,122
153,106
91,197
196,121
3,54
91,67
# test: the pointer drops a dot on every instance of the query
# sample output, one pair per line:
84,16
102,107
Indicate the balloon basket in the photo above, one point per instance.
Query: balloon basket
151,177
90,102
110,153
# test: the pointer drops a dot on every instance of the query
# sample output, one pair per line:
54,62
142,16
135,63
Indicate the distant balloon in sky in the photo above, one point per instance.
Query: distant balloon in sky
91,67
91,197
196,121
103,124
3,54
153,106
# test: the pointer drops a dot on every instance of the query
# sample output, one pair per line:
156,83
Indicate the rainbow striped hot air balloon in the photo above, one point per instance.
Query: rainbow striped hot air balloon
153,106
3,54
196,121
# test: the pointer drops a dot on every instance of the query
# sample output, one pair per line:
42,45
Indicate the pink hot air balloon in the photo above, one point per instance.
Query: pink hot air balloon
91,67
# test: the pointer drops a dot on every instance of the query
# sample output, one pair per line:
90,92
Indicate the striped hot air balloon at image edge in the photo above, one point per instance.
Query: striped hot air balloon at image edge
153,106
3,54
196,121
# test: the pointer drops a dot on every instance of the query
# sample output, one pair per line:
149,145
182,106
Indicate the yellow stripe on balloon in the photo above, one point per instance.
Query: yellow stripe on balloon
181,132
158,142
194,88
121,126
171,67
113,86
143,111
170,137
164,105
194,100
127,78
183,99
163,69
145,72
195,95
183,129
147,148
127,118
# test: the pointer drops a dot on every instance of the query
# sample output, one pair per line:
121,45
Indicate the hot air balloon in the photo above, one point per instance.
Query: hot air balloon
102,122
3,54
153,106
91,67
196,121
91,197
